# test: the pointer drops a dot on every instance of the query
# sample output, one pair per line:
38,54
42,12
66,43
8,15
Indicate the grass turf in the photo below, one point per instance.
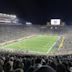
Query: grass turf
39,43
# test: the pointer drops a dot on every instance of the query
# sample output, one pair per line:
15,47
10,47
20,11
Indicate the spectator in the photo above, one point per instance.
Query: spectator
61,68
45,69
19,70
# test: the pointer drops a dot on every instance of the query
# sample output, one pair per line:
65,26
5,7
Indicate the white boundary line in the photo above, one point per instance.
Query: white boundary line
16,40
13,50
53,45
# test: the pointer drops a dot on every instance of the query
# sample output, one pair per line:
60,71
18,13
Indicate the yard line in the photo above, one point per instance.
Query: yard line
16,40
52,45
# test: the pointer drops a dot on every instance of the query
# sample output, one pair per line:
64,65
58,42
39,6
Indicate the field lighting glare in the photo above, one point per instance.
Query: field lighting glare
28,23
13,16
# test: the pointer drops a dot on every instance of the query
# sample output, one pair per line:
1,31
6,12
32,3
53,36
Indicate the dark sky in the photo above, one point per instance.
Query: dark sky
38,11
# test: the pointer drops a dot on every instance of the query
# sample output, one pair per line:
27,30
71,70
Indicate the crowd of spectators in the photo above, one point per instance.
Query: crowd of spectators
30,63
22,63
12,32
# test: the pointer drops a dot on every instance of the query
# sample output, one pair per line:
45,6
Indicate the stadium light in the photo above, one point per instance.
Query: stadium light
13,16
6,21
28,23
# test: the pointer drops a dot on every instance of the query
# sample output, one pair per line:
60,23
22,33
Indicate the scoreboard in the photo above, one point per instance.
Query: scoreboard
55,22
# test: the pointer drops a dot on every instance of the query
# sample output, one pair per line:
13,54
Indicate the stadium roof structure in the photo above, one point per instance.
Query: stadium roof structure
7,15
12,20
7,18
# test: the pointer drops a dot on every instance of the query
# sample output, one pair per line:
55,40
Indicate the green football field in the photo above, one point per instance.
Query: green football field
38,43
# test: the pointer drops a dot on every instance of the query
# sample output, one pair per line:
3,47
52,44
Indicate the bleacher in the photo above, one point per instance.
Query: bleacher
21,63
60,62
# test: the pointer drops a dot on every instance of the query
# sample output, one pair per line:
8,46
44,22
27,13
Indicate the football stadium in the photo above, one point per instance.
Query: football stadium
37,43
35,35
31,39
34,48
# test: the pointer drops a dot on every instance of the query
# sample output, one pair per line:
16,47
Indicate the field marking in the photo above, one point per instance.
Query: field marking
52,45
62,42
16,40
35,52
12,50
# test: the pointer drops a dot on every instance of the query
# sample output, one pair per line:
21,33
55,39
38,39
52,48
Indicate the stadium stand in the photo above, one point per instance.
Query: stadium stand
11,32
62,62
21,63
59,61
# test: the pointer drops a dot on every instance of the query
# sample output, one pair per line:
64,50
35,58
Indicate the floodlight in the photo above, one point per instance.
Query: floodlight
28,23
6,21
13,16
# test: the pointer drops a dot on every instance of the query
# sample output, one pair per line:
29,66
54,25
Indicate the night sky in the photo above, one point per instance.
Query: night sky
38,11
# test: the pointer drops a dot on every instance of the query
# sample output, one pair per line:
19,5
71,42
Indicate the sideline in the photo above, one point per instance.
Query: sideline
52,45
16,40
